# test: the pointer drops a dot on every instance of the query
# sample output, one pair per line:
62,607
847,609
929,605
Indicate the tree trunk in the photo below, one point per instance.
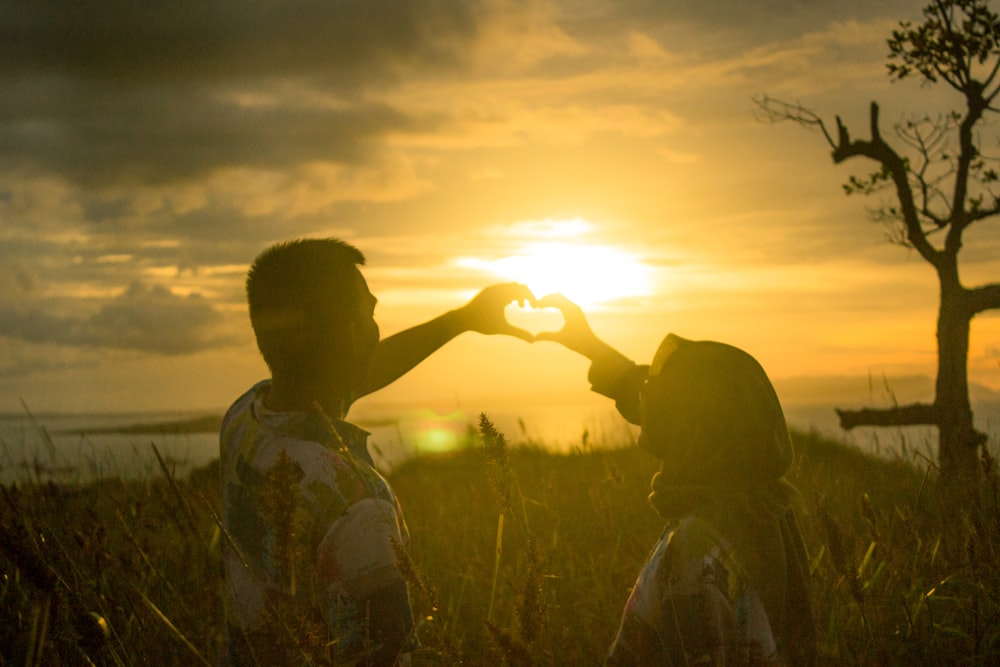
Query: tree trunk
958,441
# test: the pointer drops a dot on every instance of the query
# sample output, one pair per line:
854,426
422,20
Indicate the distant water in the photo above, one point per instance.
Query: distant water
59,447
78,448
917,444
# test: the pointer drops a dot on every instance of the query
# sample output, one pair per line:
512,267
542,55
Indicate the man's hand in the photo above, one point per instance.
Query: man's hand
399,353
485,312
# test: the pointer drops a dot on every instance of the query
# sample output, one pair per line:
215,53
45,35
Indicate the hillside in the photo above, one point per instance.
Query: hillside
125,573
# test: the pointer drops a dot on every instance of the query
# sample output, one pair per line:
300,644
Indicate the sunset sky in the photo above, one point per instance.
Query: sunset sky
611,150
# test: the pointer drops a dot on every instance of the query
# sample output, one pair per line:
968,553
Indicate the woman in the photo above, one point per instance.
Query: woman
727,584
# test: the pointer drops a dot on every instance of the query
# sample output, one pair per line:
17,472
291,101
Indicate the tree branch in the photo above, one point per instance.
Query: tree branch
926,138
983,213
968,151
983,298
917,414
988,81
775,111
878,150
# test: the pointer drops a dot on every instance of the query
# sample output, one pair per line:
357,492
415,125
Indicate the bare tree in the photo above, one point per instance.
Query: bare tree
943,184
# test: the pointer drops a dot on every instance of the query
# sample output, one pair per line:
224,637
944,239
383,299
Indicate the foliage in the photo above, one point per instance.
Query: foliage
117,573
954,38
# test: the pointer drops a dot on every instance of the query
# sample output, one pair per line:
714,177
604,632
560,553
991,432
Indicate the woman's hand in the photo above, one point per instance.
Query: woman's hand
575,333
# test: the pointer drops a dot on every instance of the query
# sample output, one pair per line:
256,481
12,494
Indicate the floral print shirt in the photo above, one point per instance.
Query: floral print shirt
313,534
691,605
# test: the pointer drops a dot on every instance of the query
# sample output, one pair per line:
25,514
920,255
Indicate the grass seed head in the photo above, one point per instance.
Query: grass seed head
500,472
531,606
515,652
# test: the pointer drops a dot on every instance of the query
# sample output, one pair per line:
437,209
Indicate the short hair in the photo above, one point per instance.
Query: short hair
297,292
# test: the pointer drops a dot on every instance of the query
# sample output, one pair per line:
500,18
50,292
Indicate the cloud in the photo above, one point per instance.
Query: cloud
150,92
147,319
17,281
166,135
20,359
349,42
722,25
165,144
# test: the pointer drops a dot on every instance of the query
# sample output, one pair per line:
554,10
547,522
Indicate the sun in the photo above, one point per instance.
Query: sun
562,258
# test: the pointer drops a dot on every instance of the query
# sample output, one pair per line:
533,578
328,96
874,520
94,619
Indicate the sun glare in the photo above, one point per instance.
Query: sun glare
559,260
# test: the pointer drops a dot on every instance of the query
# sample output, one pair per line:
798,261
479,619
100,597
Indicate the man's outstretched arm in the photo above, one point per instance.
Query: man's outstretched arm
399,353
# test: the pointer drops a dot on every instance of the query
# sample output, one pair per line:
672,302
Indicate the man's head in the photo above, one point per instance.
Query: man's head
710,412
311,311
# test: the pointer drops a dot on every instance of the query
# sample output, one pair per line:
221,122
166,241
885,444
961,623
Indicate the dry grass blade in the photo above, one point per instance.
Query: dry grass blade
416,578
41,615
13,544
288,633
50,445
181,500
869,513
930,585
838,553
173,629
496,568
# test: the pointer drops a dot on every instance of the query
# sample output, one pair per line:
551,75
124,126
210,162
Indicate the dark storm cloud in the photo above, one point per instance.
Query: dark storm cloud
155,135
127,92
350,41
148,319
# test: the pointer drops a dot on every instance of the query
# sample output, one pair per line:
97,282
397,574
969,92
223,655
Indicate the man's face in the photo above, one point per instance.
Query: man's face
346,345
366,328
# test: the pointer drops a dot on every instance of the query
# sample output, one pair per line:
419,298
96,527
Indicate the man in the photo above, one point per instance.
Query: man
313,531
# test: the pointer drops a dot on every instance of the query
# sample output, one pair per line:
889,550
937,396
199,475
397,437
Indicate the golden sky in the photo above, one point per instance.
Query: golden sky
149,152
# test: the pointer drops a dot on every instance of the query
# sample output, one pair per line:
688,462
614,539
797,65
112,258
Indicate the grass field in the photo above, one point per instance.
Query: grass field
516,554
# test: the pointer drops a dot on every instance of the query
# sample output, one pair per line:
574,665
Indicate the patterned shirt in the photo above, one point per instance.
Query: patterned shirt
692,606
311,552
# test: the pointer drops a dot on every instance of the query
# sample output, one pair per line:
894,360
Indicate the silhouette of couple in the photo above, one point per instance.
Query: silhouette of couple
314,532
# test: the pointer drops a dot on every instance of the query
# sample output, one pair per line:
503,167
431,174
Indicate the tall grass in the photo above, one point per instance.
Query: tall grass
517,556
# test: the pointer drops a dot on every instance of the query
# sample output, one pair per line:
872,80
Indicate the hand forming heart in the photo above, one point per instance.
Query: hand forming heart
534,320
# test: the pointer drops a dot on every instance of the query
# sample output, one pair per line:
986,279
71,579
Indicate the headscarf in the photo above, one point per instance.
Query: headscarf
710,414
